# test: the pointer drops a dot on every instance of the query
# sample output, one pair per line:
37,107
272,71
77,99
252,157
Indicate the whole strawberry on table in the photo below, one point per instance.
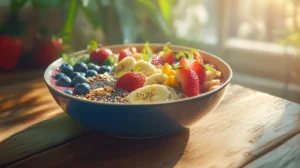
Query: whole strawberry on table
136,77
47,48
11,46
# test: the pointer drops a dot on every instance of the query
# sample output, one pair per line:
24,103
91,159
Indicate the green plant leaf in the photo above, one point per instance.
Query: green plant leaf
165,7
149,7
93,45
16,5
93,13
45,3
128,21
69,23
112,27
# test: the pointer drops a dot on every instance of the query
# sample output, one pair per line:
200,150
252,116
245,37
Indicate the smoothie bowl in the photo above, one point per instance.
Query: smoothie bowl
138,90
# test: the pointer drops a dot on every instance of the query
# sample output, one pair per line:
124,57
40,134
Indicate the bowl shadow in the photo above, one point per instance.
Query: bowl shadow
99,150
104,151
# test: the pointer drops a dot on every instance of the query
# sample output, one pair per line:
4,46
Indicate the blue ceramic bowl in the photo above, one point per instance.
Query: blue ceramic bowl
141,120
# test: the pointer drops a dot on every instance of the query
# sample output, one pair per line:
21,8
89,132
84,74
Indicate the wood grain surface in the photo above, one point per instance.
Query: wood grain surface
247,127
286,155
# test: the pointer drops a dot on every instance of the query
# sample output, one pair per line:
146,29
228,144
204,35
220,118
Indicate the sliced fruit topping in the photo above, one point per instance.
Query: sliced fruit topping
133,50
184,61
200,71
157,60
150,94
189,81
168,57
126,65
166,69
131,81
197,56
210,68
124,53
158,78
172,82
145,67
99,56
196,66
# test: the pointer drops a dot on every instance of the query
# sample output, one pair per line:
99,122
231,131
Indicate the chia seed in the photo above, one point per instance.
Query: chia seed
103,90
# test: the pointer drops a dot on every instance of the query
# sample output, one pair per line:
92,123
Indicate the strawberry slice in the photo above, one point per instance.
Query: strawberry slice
99,56
200,70
131,81
157,60
198,57
124,53
169,57
189,81
184,62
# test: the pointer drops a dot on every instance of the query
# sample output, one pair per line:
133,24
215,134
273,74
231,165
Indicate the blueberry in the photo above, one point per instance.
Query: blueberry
58,75
68,91
90,65
94,67
67,69
91,73
105,68
80,67
64,81
81,73
62,65
82,88
78,79
74,74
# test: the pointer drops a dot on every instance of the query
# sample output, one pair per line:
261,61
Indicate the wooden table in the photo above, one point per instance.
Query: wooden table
248,129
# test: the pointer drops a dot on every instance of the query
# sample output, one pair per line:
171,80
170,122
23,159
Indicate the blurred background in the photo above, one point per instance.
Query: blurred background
259,39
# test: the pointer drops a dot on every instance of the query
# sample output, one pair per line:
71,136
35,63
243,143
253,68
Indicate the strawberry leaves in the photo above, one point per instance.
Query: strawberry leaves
72,60
93,45
210,68
147,52
167,47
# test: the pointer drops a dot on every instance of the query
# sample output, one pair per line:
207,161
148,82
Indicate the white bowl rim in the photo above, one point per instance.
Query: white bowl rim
203,95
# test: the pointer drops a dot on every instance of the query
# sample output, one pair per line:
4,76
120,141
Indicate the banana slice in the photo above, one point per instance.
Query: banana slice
172,94
137,56
124,66
157,78
149,94
210,76
147,68
209,84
